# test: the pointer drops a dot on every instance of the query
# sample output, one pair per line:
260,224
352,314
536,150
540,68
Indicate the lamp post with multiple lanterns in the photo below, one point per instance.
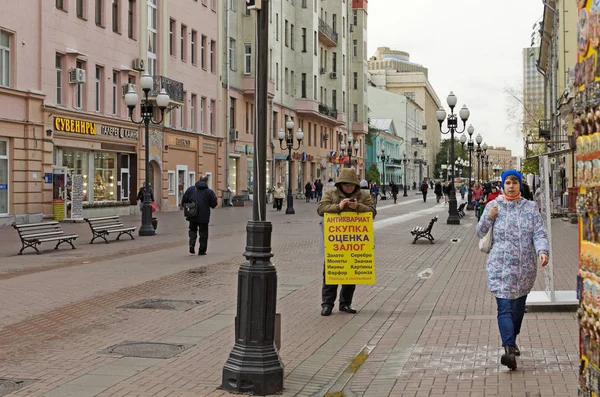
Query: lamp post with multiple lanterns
289,146
352,144
470,147
384,160
147,110
452,123
405,161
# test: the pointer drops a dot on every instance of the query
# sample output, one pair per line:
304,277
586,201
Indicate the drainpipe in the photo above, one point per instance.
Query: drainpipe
227,104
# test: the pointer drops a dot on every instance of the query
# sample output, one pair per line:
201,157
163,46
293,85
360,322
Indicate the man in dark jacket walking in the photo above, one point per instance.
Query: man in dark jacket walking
205,199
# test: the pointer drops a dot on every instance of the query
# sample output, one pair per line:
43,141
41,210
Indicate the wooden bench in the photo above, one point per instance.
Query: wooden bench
102,227
461,210
420,232
33,234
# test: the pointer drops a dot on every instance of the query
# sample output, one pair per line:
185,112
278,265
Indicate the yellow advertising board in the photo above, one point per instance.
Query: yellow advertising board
349,248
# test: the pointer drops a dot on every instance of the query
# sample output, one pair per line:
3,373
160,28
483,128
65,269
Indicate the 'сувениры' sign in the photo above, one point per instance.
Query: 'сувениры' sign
349,248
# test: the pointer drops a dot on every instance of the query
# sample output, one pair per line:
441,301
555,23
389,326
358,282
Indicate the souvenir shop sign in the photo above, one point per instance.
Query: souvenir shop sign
182,142
117,132
349,248
75,126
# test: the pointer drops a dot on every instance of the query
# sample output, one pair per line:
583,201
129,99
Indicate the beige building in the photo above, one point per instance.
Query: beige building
317,79
392,70
500,159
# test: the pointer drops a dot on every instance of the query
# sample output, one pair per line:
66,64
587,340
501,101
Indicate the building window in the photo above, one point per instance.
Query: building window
212,56
292,37
182,112
277,76
213,4
344,27
131,19
344,101
334,22
193,44
285,86
355,113
183,43
152,34
334,99
193,106
334,62
315,42
276,26
79,4
171,37
232,54
231,113
303,39
303,4
98,87
60,5
211,115
105,172
4,176
303,88
99,6
315,87
171,183
355,17
247,58
115,92
115,16
247,10
203,52
354,48
79,87
355,80
202,107
285,34
59,78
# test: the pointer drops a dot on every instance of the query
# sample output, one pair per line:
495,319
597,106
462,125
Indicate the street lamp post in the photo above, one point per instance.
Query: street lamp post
405,161
483,156
452,123
470,146
384,159
478,139
147,108
351,144
289,146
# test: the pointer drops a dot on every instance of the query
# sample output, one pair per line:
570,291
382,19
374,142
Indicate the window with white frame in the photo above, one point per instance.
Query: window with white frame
203,52
171,37
191,178
202,107
171,183
193,112
3,176
98,87
99,16
131,19
213,44
152,37
232,54
247,58
79,8
79,87
115,90
182,112
183,42
354,48
59,78
115,16
193,45
213,106
5,58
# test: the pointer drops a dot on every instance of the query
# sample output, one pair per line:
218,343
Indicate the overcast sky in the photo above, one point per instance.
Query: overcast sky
471,47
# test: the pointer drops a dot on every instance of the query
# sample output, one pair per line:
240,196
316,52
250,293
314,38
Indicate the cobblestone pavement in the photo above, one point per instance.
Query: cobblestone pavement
427,336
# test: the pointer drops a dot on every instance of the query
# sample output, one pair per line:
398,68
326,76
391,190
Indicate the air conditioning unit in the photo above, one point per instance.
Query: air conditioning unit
139,64
76,76
234,135
323,70
333,75
127,87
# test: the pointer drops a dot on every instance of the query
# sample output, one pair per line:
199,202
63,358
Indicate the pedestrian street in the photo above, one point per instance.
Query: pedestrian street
426,328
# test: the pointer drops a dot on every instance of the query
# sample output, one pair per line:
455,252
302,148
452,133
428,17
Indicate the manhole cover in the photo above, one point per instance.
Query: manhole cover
146,349
8,386
163,304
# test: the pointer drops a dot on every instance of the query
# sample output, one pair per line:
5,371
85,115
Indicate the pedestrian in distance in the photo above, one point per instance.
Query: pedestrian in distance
438,191
205,200
477,197
394,191
319,189
446,190
493,194
308,191
364,185
347,197
279,196
330,184
519,242
140,195
526,192
424,187
463,191
374,193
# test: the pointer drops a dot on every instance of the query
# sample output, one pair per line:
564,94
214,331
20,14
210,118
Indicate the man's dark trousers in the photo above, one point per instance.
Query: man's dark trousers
329,293
202,229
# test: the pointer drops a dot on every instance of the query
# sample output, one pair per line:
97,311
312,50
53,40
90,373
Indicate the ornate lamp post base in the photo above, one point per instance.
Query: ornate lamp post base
254,365
290,205
147,229
453,218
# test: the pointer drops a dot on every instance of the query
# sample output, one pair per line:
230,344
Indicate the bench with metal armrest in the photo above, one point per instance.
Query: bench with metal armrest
102,227
461,210
33,234
421,232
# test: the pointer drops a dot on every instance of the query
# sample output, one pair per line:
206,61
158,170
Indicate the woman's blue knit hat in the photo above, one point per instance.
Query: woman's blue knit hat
514,173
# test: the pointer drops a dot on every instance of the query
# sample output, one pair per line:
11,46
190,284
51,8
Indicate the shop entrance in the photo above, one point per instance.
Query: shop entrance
125,178
59,192
182,181
156,182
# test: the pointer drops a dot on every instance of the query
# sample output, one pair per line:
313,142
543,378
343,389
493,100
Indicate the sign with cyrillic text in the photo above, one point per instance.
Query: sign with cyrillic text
349,248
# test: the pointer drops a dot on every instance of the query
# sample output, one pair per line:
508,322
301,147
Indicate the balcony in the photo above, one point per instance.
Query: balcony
328,111
327,35
326,114
544,128
174,88
248,87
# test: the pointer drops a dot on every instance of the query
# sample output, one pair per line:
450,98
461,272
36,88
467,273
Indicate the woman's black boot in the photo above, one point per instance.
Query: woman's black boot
509,358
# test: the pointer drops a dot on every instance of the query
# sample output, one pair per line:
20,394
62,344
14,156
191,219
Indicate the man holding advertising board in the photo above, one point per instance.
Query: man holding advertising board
348,214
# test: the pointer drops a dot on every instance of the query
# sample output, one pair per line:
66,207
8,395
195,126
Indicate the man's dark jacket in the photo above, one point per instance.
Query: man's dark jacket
204,197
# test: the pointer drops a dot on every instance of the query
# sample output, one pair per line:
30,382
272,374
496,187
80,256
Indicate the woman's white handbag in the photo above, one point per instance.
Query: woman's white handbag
485,244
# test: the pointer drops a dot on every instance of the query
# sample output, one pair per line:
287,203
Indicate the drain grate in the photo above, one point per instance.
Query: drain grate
163,304
146,349
8,386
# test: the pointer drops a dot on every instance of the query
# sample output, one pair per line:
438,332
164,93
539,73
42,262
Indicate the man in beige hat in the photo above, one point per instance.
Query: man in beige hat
347,197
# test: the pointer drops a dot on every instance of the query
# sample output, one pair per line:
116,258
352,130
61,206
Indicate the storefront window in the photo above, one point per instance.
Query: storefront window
77,163
268,174
3,177
233,175
181,183
105,171
250,174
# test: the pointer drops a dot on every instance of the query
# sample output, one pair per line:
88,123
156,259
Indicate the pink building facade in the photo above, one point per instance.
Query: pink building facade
65,130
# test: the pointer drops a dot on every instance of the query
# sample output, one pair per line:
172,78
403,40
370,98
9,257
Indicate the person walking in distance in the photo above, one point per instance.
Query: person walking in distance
347,197
424,187
308,191
205,199
394,191
279,196
438,191
140,195
519,242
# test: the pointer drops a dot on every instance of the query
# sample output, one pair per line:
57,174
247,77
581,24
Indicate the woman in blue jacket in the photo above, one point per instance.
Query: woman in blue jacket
519,241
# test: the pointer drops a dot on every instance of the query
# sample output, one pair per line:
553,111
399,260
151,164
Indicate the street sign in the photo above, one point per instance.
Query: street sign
253,4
